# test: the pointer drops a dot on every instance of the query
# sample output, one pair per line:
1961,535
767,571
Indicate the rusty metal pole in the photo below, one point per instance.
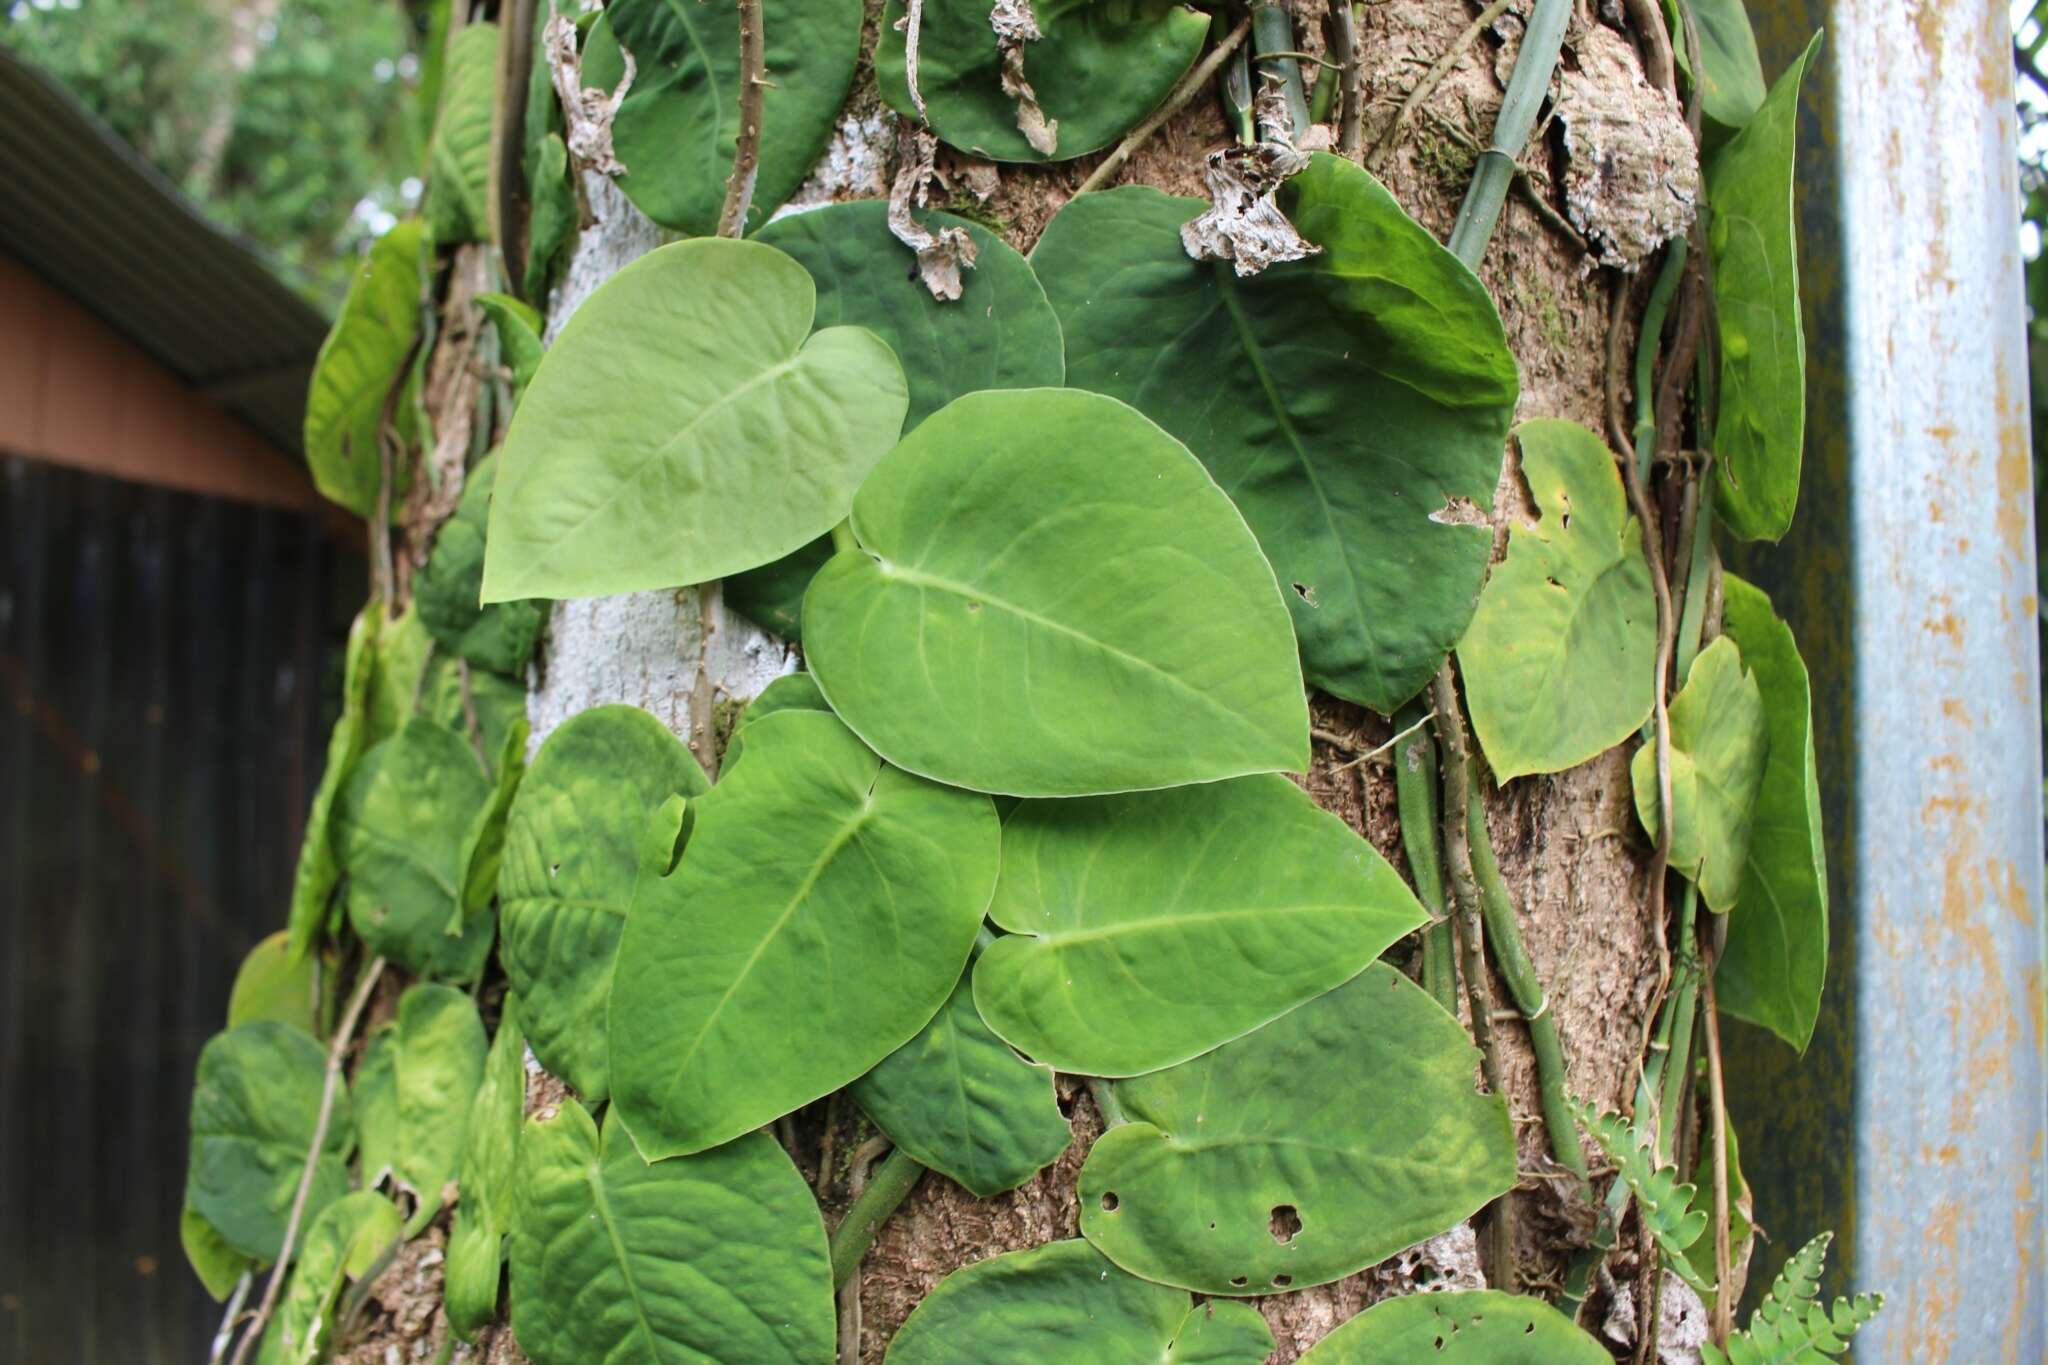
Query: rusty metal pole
1916,1123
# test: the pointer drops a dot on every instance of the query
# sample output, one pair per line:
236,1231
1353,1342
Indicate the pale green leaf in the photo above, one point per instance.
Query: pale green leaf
437,1065
1051,598
339,1245
714,1259
1719,744
376,1106
1560,660
363,357
459,162
1323,1143
271,985
483,844
1482,1327
821,912
483,1218
518,327
1147,929
572,857
218,1265
499,637
318,871
1354,404
686,425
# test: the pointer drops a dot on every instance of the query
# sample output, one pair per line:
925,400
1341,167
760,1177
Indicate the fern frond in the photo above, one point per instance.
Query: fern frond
1791,1326
1666,1201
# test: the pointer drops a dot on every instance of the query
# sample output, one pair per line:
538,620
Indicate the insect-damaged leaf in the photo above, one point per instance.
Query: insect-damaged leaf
1776,957
364,355
1064,1302
679,125
459,165
956,1098
341,1244
686,425
822,911
1354,404
1098,70
1753,240
1718,747
1146,929
1482,1327
714,1257
255,1105
499,637
965,641
571,860
318,871
400,824
1289,1157
1559,662
484,1216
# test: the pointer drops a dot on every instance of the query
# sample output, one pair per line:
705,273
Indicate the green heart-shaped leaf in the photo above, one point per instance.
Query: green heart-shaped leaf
1063,1302
341,1244
822,911
1776,957
572,857
1290,1157
1052,598
1559,662
1480,1327
490,1147
686,425
1719,744
459,165
1097,71
956,1098
1147,929
1354,404
499,637
365,353
255,1105
714,1257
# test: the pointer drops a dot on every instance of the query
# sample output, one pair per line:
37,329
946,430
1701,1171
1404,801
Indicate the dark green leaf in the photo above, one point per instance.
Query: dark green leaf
499,637
1483,1327
364,355
459,170
1718,747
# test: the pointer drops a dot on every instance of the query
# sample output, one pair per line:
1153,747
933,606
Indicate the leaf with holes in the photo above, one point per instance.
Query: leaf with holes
499,637
956,1098
1098,70
1063,1302
342,1244
999,334
1289,1157
1354,404
1560,659
318,871
364,357
679,125
1753,242
271,985
1719,744
255,1105
814,873
484,1216
962,642
687,424
399,826
1146,929
1483,1327
714,1257
1776,958
459,161
571,860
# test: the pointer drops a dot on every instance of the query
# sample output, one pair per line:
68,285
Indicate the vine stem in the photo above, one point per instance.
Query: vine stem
336,1050
1431,79
1527,86
1415,792
1717,1099
1341,37
1205,70
746,157
887,1188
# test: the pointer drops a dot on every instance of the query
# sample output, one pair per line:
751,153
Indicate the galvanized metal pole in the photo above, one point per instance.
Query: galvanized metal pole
1922,1125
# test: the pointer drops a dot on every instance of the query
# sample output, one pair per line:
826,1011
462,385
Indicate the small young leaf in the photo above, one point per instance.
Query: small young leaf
459,167
1792,1326
270,985
1481,1327
1719,744
1666,1202
364,355
518,327
499,637
218,1265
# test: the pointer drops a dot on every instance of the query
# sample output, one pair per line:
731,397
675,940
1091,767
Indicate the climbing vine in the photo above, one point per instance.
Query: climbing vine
1068,541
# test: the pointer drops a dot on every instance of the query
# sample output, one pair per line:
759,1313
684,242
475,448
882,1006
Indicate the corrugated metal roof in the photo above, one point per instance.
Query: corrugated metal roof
85,212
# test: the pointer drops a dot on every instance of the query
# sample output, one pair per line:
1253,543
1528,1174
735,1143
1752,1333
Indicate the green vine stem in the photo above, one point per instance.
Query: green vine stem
1415,789
1717,1100
1273,53
1654,314
1106,1103
887,1188
1677,1062
1234,89
1505,937
1527,87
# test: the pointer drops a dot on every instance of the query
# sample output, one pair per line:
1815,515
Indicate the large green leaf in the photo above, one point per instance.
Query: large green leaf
437,1065
1146,929
1097,71
999,334
1354,404
1482,1327
571,860
1776,957
219,1266
255,1104
714,1259
956,1098
679,125
1323,1143
318,871
499,637
270,984
400,825
459,164
821,913
341,1244
1753,241
1718,748
683,428
483,1218
1063,1302
1560,660
364,355
1052,598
